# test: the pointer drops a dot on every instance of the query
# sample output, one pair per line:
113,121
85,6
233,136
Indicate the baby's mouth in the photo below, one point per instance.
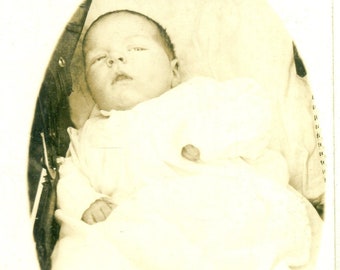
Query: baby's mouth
121,77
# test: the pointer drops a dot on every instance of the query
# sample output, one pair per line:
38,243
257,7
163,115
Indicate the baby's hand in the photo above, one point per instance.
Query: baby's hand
98,211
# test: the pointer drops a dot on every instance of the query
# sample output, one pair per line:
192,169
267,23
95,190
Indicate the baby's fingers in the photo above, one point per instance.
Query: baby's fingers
98,211
102,212
93,216
88,217
106,210
98,216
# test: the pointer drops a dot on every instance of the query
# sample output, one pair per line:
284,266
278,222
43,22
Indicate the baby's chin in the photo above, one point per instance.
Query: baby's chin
122,105
122,98
117,107
126,95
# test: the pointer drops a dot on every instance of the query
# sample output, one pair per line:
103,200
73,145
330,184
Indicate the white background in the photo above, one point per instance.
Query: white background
29,30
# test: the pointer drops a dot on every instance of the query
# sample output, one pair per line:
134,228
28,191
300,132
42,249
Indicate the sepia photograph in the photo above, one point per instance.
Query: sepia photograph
155,135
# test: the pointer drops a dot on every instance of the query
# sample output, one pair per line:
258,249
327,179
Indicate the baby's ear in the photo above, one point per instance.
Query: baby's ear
176,77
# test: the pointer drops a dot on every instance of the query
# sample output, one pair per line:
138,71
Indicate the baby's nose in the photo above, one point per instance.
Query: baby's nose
115,58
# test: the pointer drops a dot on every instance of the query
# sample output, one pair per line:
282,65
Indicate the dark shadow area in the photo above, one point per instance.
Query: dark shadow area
49,139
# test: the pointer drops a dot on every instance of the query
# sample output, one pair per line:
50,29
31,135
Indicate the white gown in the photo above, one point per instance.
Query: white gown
232,209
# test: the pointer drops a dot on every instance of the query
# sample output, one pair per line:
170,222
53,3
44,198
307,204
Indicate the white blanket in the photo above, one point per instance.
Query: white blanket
233,209
222,224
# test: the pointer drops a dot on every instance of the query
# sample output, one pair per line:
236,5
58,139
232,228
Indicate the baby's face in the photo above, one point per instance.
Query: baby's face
125,62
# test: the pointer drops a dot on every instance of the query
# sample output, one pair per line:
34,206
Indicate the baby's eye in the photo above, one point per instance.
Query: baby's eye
137,49
100,58
97,59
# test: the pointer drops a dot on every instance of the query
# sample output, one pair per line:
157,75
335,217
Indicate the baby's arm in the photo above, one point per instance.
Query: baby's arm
74,192
78,192
98,211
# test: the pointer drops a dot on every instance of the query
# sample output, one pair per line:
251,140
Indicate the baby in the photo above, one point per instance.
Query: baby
129,58
176,163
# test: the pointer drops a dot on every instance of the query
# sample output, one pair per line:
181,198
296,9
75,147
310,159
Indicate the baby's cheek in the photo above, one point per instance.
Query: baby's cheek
94,81
191,152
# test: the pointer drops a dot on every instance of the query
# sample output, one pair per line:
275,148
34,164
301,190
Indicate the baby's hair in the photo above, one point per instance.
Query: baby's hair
165,39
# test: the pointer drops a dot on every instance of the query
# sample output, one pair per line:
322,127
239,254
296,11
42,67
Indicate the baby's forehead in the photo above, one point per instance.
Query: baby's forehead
124,22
